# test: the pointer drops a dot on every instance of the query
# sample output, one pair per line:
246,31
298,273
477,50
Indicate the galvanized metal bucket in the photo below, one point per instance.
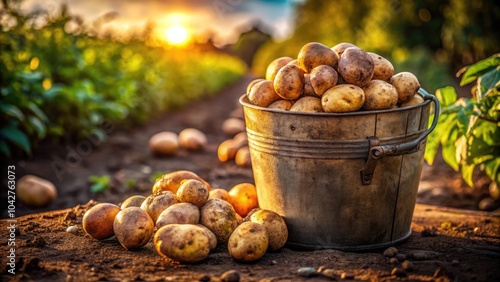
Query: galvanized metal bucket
341,181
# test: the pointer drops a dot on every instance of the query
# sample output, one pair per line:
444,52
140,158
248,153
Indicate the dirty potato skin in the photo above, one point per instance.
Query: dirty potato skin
219,193
212,240
154,205
415,100
252,83
379,95
98,221
323,78
263,94
193,191
133,201
339,48
383,68
220,217
172,181
248,242
406,84
308,89
133,228
314,54
343,98
186,243
307,104
275,66
283,105
289,82
180,213
356,66
275,225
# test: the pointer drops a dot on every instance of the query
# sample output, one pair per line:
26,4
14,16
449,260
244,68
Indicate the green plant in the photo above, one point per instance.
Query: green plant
468,130
99,183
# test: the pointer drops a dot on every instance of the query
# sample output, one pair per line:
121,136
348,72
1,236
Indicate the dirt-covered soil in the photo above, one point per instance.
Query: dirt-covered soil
446,244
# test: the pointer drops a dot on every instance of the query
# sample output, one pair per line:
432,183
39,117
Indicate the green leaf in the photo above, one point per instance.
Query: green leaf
492,169
36,110
12,111
474,71
467,172
53,91
446,96
98,187
16,137
487,82
38,125
449,154
4,148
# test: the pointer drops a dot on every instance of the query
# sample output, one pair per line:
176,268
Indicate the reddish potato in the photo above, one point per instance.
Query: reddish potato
98,221
356,66
314,54
323,78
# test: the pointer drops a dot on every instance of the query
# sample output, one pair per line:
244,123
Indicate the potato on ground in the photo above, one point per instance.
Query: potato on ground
323,78
252,83
193,191
275,225
219,193
379,95
35,191
275,66
283,105
307,104
356,66
415,100
243,198
154,205
186,243
263,94
212,240
343,98
314,54
227,150
172,181
164,143
220,217
133,227
406,84
233,126
289,82
383,68
248,242
192,139
242,157
241,139
133,201
339,48
180,213
98,221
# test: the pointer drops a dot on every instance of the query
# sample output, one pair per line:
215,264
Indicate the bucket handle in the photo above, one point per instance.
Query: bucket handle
376,152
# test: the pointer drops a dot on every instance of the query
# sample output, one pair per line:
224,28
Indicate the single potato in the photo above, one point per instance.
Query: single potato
172,181
252,83
193,191
294,62
379,95
275,225
307,104
212,240
154,205
283,105
415,100
275,66
308,88
133,227
383,68
98,221
133,201
323,78
263,94
186,243
406,84
180,213
219,193
339,48
233,126
220,217
241,138
343,98
192,139
242,158
314,54
164,143
289,82
35,191
356,66
243,198
227,150
248,242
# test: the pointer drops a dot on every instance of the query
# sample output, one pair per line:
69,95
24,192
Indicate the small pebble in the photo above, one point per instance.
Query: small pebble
273,262
390,252
347,276
306,272
407,265
455,262
401,257
394,261
399,272
72,229
329,273
230,276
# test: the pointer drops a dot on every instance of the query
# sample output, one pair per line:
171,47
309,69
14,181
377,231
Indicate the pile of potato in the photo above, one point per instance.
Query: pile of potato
168,143
340,79
186,220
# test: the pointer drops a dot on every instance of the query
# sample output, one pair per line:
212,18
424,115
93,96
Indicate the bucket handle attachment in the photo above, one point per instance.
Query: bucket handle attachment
376,152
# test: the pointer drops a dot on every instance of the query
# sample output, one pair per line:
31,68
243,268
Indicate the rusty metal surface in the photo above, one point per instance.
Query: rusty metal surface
307,168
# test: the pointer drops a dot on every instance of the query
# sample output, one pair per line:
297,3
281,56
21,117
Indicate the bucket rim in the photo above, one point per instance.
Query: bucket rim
243,100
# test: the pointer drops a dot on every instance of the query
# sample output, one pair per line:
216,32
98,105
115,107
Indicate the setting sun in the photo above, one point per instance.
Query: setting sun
177,35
